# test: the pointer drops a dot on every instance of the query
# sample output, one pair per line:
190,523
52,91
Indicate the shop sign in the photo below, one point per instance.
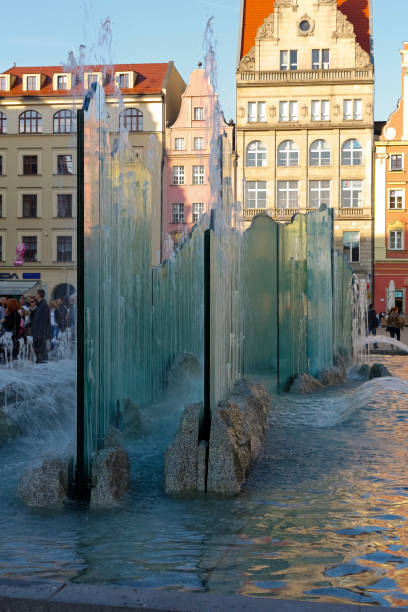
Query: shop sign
24,276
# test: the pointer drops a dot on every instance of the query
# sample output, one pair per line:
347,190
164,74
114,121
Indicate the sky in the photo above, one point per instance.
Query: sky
43,33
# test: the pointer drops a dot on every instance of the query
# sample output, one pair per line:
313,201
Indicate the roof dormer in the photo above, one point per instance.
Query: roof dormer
33,82
93,77
125,79
61,81
7,81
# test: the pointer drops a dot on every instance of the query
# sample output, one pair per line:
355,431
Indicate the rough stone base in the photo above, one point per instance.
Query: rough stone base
304,383
46,484
378,370
110,477
237,434
332,377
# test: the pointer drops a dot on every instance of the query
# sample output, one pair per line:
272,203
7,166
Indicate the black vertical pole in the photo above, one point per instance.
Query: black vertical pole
206,422
81,488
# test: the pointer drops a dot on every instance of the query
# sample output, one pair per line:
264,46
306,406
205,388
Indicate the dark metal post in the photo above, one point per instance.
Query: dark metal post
81,480
206,422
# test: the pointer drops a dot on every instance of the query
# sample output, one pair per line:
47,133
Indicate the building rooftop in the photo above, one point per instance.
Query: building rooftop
145,78
254,12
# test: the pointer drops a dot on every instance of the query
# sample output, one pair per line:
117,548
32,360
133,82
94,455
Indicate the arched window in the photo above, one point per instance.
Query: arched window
256,154
351,153
132,120
288,153
64,122
319,154
30,122
3,123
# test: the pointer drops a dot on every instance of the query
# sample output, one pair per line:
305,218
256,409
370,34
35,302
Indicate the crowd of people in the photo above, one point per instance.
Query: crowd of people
32,316
394,322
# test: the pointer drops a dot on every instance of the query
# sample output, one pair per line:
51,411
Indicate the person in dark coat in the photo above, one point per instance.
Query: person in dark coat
12,323
61,314
372,322
40,325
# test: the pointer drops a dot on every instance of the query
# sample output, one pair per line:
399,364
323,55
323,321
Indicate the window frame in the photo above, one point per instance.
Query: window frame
354,152
290,114
352,190
257,188
131,119
321,116
36,258
177,141
178,175
258,153
195,141
30,165
287,153
320,153
319,191
400,191
350,243
320,63
64,237
198,176
396,155
177,214
199,212
32,119
3,123
66,165
198,113
288,190
68,196
33,203
396,247
64,118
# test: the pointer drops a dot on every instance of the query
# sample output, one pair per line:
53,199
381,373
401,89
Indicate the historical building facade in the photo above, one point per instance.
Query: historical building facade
304,133
38,158
198,160
391,216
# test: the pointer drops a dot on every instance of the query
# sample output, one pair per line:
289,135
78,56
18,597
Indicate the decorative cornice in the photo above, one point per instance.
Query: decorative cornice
396,225
266,29
247,64
362,57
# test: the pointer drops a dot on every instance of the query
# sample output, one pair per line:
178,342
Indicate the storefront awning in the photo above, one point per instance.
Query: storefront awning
17,287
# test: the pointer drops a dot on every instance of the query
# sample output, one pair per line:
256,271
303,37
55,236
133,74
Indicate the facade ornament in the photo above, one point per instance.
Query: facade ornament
369,109
327,2
337,110
292,3
272,111
248,61
305,26
241,112
266,29
345,28
304,111
362,57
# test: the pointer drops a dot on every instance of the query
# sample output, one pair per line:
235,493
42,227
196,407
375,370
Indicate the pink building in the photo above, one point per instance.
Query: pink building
187,190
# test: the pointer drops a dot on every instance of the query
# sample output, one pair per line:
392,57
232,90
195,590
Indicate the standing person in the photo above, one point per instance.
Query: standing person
54,325
41,327
372,322
61,314
11,323
72,319
2,316
394,323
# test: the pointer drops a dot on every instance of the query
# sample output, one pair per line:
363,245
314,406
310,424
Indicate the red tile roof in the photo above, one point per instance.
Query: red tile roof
150,78
256,11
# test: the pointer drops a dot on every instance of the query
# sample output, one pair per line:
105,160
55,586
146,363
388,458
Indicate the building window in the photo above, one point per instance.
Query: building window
351,194
288,194
256,194
32,83
320,110
3,123
178,212
256,154
29,206
289,60
62,81
320,59
179,144
396,199
64,164
178,175
30,122
64,248
198,210
397,162
319,194
198,143
319,153
132,119
91,78
198,175
30,164
123,81
64,122
351,153
288,153
198,113
256,112
3,83
395,240
352,109
288,111
64,205
351,246
30,248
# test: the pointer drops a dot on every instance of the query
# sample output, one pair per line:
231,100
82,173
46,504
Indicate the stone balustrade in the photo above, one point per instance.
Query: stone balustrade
300,76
